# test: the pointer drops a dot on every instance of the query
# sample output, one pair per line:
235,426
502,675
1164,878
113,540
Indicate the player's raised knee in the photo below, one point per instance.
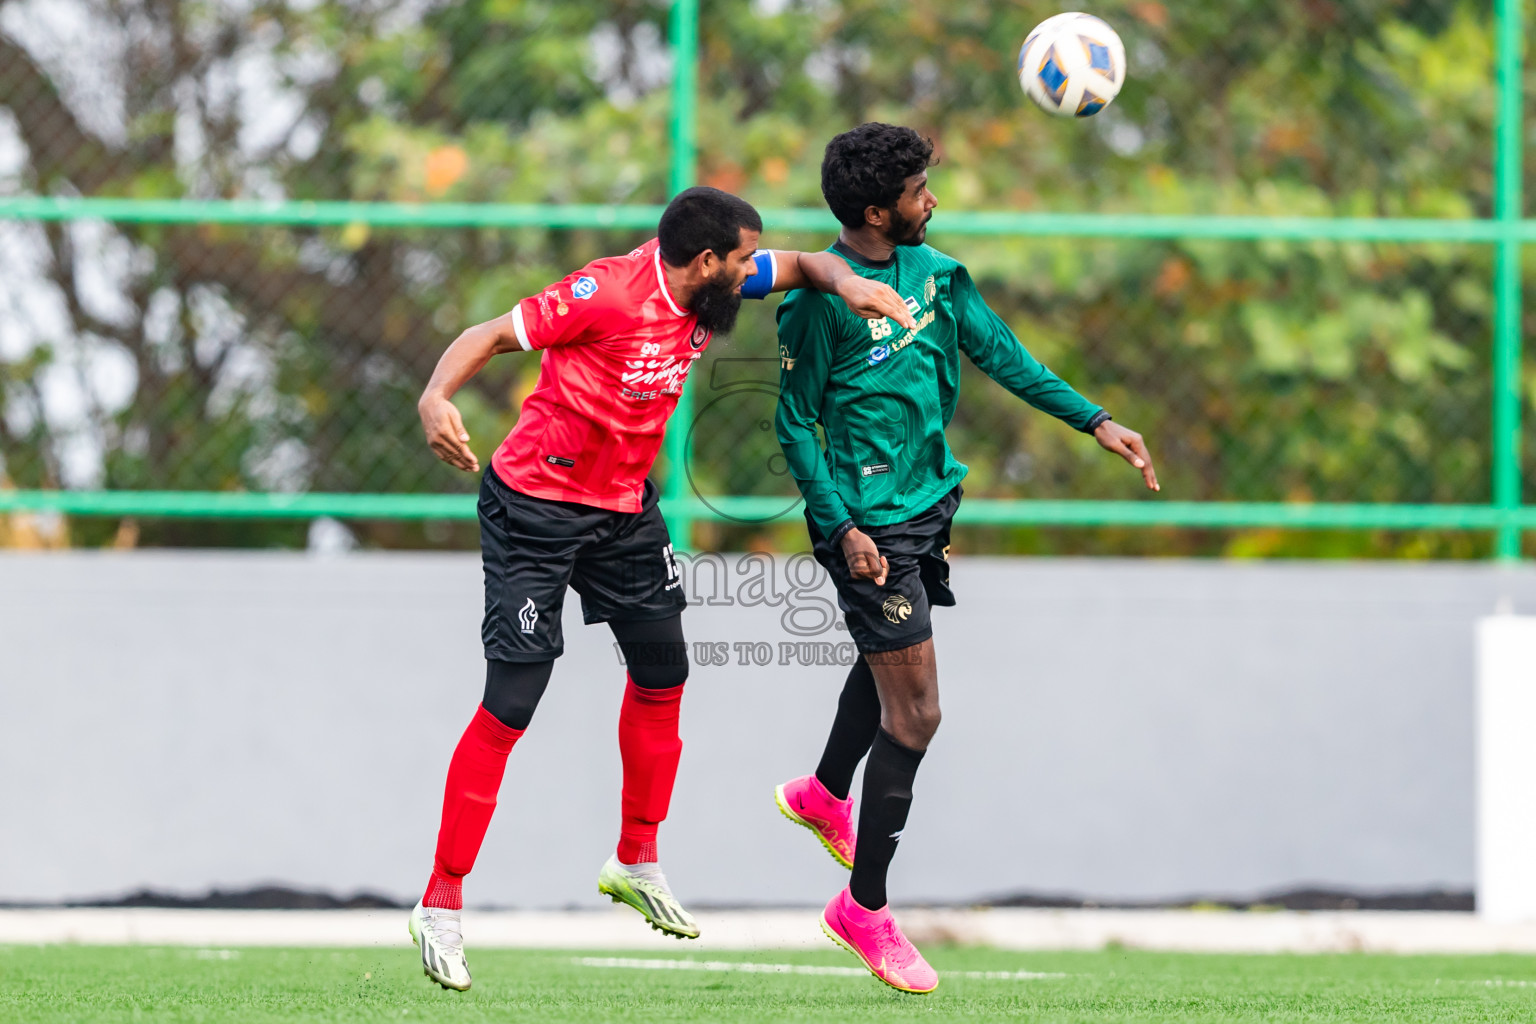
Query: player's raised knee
657,664
912,723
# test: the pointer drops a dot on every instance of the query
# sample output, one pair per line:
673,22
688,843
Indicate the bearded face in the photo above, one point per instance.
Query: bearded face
908,232
715,304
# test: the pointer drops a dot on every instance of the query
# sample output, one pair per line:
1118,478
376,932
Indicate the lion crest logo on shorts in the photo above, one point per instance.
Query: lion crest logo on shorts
897,608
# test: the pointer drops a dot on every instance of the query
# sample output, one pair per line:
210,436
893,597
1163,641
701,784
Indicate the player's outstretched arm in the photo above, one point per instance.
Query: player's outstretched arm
463,359
830,273
991,345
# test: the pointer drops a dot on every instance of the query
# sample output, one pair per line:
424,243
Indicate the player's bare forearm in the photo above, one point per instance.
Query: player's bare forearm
467,356
1128,444
819,270
827,272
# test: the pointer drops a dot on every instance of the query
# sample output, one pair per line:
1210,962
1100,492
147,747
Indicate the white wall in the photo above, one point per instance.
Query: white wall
1112,728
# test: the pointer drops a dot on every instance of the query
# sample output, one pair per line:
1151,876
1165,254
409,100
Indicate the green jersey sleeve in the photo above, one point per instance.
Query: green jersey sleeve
808,331
989,343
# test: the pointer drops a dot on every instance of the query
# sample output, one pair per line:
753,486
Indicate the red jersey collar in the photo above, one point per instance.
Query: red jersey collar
661,282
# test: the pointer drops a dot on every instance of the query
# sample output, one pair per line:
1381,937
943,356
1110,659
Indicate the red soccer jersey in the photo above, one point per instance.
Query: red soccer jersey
618,351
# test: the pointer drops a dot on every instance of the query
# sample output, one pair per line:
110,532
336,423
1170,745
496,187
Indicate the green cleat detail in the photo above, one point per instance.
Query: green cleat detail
648,893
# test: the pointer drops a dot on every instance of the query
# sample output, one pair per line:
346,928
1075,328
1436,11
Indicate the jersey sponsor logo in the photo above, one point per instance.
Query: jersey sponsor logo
880,353
700,336
527,617
635,254
585,287
556,460
786,361
670,372
559,306
876,469
896,608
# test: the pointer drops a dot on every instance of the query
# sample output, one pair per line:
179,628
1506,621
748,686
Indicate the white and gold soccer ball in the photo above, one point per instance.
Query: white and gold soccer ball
1072,65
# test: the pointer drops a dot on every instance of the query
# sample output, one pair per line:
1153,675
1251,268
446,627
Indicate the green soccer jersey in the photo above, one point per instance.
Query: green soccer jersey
884,394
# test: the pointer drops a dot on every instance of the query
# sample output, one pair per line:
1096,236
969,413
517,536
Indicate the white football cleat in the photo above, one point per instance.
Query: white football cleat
440,937
645,888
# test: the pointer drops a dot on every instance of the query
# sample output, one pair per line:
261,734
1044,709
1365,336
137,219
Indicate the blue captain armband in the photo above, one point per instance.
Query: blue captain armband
761,283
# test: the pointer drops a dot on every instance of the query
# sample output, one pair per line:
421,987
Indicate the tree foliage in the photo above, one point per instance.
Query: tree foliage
290,358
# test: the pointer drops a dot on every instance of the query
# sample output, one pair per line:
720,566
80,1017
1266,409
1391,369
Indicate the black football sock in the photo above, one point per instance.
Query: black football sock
853,730
882,816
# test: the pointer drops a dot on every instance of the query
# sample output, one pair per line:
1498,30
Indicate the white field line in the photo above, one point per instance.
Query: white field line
756,932
751,968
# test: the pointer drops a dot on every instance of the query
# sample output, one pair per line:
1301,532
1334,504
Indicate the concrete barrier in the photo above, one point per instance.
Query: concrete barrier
1127,729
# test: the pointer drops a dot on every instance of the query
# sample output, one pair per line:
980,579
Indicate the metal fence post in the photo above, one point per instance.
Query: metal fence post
1507,210
684,33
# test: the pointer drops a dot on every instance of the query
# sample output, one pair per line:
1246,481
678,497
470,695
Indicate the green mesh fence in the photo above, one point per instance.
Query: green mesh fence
234,241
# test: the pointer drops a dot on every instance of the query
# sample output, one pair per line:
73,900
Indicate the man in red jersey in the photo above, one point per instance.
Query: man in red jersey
566,502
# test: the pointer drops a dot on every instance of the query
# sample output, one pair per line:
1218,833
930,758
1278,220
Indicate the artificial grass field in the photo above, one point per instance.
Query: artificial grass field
108,984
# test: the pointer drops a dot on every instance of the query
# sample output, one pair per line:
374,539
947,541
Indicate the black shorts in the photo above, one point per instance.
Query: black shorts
619,562
895,616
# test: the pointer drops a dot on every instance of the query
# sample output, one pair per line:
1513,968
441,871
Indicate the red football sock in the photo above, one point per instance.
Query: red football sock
469,799
650,747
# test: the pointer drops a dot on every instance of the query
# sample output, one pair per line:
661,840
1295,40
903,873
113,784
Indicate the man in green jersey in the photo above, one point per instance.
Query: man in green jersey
881,497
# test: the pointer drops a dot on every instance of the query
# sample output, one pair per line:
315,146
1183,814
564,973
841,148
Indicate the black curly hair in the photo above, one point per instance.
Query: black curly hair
869,166
701,218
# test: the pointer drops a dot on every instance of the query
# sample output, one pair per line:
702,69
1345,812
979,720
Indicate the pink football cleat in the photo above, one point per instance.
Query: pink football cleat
806,801
872,936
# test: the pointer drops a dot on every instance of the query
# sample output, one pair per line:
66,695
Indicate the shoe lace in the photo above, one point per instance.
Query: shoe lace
448,932
652,877
894,947
650,874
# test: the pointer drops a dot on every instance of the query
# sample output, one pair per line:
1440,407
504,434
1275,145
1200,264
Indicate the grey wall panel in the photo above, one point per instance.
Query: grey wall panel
1112,728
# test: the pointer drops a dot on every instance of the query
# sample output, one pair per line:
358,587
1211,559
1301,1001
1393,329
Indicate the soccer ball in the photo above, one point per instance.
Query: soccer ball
1072,65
